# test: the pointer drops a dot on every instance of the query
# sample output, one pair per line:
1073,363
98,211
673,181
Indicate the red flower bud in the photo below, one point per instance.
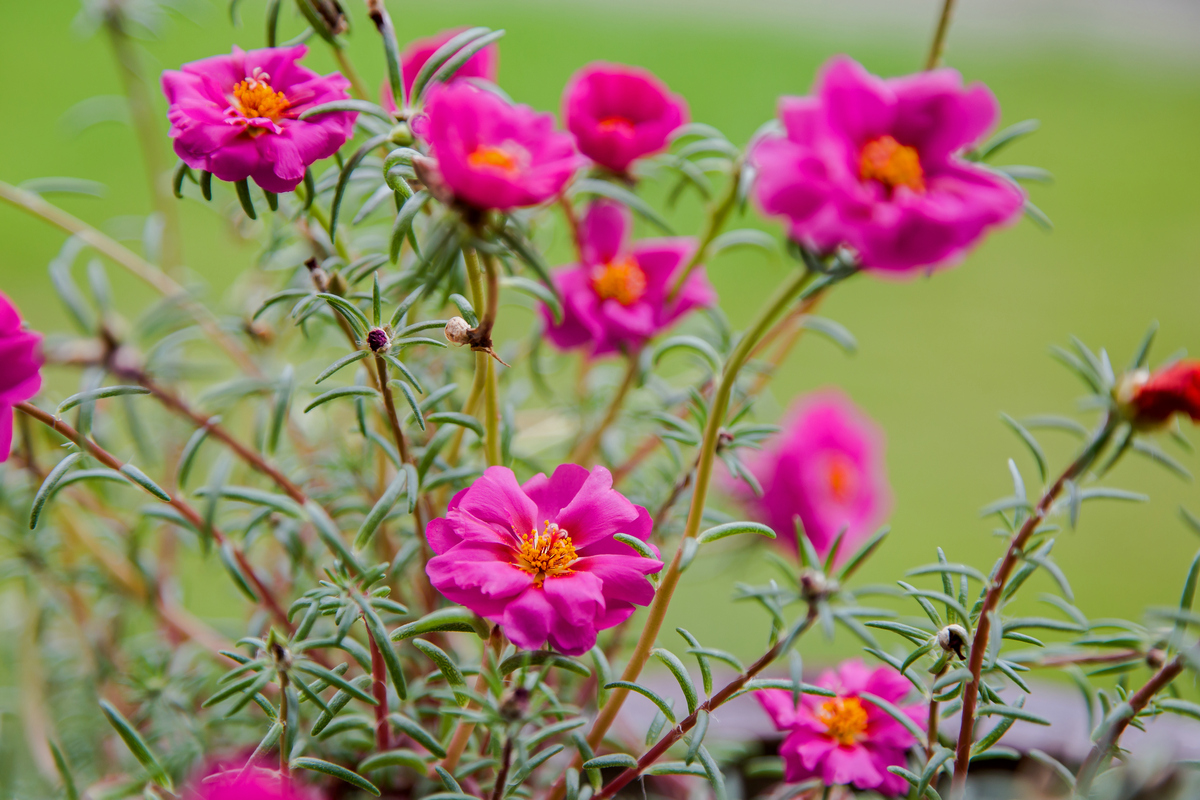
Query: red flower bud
1153,398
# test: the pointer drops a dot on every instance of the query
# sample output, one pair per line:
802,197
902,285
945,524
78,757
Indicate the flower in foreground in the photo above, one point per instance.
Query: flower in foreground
619,114
1153,398
482,65
825,467
20,368
875,164
492,153
845,739
539,559
236,116
619,296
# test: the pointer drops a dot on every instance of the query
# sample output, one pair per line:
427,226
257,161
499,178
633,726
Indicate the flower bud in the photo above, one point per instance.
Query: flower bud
953,639
816,585
431,176
401,134
378,340
458,331
1150,399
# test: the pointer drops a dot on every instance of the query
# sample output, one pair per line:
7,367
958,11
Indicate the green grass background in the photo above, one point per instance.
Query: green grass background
939,358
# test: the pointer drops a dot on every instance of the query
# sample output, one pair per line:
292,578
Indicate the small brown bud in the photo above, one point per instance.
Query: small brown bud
378,340
458,331
816,585
953,639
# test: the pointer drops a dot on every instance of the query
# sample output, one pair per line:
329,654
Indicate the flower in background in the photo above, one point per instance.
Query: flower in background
540,559
226,782
1153,398
20,368
617,298
619,114
876,165
483,64
236,116
825,467
845,739
492,153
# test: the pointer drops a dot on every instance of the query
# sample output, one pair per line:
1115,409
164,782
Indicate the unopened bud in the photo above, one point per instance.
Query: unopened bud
430,176
515,705
458,331
816,585
1156,658
401,134
953,639
378,340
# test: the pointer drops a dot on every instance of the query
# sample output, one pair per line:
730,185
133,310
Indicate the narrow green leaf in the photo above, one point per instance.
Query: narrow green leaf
454,618
449,670
333,770
682,677
382,507
137,745
48,486
734,528
650,695
344,391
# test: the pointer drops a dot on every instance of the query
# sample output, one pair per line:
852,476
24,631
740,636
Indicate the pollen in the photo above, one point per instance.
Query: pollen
844,718
254,97
548,553
622,125
621,280
841,477
892,164
500,159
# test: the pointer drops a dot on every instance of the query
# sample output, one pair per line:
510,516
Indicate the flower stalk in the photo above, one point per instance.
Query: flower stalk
582,452
714,221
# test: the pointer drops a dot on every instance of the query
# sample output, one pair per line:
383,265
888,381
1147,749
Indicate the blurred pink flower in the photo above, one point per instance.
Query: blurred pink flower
617,298
225,782
619,114
845,739
875,164
493,154
20,368
825,467
483,64
236,116
539,559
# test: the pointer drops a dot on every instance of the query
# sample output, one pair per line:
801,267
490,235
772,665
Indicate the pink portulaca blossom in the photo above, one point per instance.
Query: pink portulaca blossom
492,153
483,65
228,782
540,559
876,165
237,116
845,740
20,368
619,114
825,467
619,297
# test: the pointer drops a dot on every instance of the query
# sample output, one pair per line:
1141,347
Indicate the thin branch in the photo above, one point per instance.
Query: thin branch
718,212
582,452
939,37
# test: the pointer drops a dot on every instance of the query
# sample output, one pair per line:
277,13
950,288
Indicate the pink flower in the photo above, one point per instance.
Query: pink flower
617,298
236,116
875,164
481,65
540,559
619,114
825,467
845,739
20,368
225,782
494,154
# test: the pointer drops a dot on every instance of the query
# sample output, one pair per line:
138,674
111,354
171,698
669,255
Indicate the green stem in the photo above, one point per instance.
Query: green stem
708,451
347,66
491,410
582,452
717,214
939,36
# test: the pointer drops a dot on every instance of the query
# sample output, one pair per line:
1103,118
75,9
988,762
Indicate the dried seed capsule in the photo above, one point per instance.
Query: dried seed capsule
458,331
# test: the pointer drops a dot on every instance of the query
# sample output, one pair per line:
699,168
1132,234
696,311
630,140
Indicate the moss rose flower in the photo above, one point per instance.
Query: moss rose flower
236,116
825,467
20,368
617,298
540,559
845,740
619,114
1153,398
876,165
492,153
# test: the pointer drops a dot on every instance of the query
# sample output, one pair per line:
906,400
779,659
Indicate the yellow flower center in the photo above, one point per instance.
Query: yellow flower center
500,159
254,97
621,280
622,125
844,718
548,553
892,164
841,477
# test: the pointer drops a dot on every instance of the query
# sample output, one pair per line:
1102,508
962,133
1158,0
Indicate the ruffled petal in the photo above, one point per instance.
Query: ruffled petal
528,619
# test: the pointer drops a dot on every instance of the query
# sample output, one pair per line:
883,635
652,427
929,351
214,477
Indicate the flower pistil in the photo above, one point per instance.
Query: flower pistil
254,98
621,280
508,159
546,553
845,719
892,164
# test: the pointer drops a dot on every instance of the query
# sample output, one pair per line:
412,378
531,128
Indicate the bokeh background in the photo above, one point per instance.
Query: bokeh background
1116,86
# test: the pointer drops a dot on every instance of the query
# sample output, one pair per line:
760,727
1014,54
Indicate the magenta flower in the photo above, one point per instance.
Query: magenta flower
619,114
617,298
845,740
236,116
493,154
876,165
825,467
540,559
20,368
482,65
226,782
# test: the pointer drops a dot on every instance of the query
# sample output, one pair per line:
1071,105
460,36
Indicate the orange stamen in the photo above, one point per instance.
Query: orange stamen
254,97
892,164
845,719
495,158
546,554
622,125
841,476
621,280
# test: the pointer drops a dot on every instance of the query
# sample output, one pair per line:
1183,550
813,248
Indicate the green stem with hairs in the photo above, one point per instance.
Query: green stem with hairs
939,36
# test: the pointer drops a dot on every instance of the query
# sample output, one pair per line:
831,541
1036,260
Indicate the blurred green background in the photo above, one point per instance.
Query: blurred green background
939,358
